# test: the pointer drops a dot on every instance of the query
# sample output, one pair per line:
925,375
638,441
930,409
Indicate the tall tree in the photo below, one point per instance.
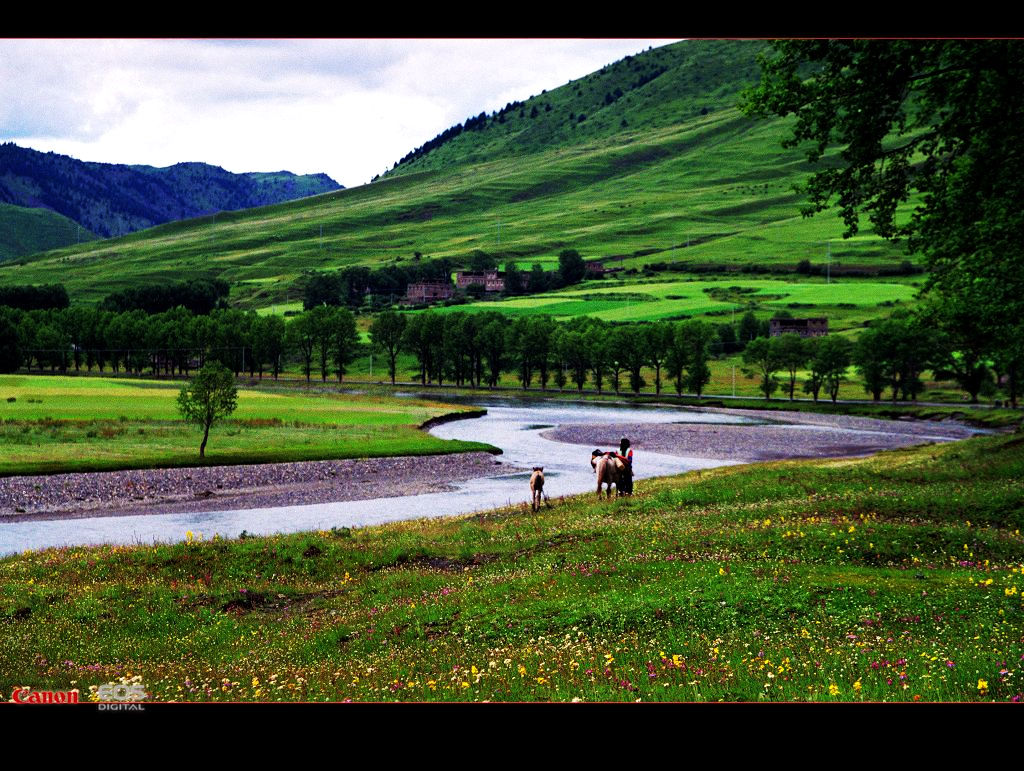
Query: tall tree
828,359
870,356
659,348
480,261
10,341
632,347
513,278
301,336
696,337
386,334
344,340
749,329
492,342
793,353
538,279
762,360
571,267
598,336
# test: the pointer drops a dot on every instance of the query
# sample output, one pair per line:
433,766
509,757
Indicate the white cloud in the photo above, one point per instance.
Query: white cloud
349,108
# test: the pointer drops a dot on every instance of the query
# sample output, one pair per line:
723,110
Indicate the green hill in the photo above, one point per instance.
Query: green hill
27,231
669,171
656,89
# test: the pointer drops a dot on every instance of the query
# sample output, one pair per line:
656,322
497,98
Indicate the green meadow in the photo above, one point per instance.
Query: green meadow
652,300
893,578
52,424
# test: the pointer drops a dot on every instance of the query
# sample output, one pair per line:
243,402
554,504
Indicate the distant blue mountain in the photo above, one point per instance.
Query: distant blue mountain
113,199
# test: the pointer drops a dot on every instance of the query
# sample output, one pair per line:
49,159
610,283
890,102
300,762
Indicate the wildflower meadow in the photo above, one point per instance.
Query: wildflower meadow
892,578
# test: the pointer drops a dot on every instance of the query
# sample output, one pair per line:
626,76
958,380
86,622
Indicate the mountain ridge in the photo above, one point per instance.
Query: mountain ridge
116,199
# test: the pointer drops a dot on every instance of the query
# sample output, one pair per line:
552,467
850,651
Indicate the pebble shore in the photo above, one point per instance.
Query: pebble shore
779,435
221,488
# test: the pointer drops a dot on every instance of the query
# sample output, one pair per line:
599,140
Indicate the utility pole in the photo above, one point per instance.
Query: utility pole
828,271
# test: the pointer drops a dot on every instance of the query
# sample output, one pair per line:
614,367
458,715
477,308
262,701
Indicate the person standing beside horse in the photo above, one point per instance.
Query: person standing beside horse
625,454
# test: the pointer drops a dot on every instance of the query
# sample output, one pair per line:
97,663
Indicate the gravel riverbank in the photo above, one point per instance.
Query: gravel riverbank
220,488
781,435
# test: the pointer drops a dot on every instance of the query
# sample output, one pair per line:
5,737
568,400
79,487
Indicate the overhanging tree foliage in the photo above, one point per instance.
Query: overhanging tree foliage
936,122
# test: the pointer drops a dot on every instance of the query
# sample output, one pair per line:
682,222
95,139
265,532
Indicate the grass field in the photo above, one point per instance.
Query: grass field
51,424
893,578
845,303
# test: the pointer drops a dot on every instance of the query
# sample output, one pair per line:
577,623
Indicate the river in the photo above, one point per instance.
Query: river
515,427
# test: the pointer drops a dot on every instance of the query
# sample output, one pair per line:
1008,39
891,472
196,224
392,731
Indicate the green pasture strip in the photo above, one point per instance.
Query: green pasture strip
280,309
848,302
54,424
69,398
892,578
49,448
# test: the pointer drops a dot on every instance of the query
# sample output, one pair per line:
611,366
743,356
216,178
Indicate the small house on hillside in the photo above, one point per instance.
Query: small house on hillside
804,327
428,292
491,281
597,269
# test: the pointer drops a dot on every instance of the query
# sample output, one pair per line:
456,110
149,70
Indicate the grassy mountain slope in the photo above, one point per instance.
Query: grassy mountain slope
113,199
26,231
658,88
678,183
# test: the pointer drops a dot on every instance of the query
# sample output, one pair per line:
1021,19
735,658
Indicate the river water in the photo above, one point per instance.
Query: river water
514,427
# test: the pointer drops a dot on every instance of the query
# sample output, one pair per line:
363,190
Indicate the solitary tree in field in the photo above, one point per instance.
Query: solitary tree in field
209,397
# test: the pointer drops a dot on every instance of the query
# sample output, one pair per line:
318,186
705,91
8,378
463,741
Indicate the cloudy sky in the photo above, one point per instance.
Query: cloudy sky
349,108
